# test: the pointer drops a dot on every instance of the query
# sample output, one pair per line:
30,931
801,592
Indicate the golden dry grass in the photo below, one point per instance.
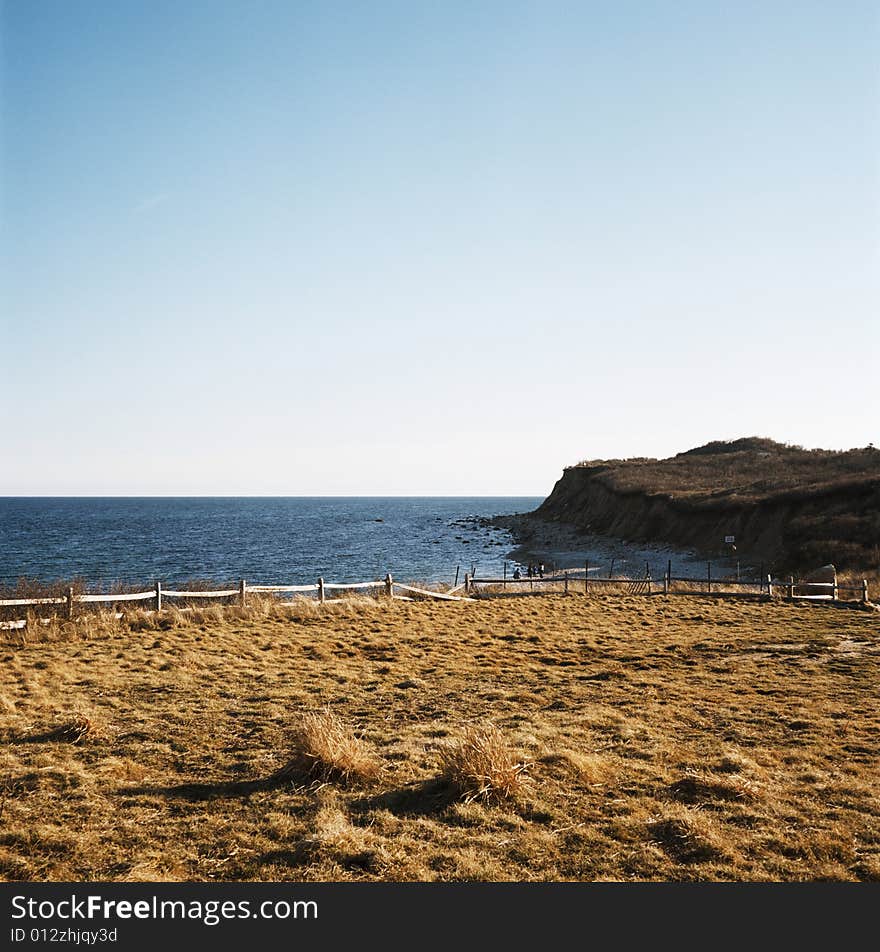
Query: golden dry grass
482,765
668,739
327,749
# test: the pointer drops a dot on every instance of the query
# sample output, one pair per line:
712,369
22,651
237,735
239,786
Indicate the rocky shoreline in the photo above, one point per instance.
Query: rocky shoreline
560,545
537,538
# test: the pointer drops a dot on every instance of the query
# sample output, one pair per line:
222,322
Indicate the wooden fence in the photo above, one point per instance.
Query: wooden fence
570,580
158,595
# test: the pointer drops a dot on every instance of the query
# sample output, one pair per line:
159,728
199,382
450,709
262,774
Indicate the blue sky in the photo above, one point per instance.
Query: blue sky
383,248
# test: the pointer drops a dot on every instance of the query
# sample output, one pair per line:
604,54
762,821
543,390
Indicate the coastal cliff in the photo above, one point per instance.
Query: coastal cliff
785,506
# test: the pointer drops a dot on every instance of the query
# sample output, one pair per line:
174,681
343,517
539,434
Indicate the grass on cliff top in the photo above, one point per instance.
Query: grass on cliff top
748,470
533,739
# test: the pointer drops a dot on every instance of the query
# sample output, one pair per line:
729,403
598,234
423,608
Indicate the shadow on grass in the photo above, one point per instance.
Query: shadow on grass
224,789
417,799
46,737
301,854
70,733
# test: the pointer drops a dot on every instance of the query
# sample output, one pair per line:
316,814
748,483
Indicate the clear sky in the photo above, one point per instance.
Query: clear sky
411,248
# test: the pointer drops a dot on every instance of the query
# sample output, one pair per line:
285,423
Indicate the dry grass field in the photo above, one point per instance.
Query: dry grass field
531,739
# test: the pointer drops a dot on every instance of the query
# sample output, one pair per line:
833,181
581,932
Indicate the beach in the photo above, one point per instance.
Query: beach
563,546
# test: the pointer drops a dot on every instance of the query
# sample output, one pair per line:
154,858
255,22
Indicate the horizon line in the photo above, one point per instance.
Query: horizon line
274,496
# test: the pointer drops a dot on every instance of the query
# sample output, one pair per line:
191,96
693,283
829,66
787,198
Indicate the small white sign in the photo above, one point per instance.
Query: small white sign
730,539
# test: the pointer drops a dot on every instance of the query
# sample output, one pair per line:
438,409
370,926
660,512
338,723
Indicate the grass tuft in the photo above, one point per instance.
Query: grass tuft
687,838
483,766
326,749
704,788
73,731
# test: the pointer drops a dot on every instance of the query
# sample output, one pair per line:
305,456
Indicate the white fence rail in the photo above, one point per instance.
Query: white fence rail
282,588
124,597
445,596
343,585
32,601
221,593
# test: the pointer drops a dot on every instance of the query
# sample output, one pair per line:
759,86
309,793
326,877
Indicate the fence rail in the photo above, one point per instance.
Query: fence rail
284,588
222,593
444,596
32,601
123,597
343,585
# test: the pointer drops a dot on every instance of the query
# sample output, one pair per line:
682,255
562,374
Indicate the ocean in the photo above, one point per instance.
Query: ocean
270,541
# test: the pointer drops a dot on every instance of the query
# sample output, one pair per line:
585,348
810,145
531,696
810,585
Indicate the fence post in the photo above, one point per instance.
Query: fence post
791,586
709,578
389,585
587,577
158,596
242,593
467,583
834,588
504,583
769,585
864,591
70,602
666,583
566,583
321,589
650,583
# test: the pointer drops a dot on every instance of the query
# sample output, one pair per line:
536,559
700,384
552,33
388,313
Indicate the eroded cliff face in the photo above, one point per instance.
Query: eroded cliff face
788,530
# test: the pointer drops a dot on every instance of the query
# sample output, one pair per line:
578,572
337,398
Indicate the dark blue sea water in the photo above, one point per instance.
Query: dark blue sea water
271,541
